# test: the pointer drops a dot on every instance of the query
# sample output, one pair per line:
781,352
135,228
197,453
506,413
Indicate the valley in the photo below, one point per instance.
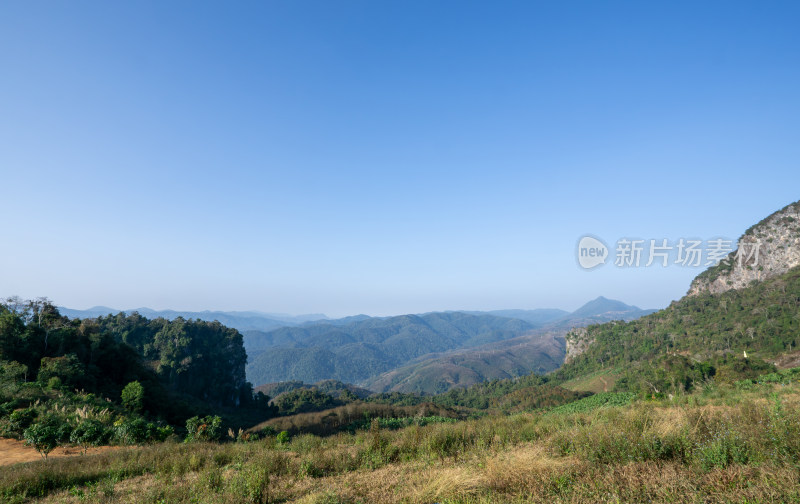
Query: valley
606,403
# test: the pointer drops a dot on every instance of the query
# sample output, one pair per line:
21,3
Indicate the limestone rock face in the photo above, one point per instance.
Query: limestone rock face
770,248
578,341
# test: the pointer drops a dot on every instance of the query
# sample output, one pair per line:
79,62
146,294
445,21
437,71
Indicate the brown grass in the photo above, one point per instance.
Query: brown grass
15,452
524,474
604,455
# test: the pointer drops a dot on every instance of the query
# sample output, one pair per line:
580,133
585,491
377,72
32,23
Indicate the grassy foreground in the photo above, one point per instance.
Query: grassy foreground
738,443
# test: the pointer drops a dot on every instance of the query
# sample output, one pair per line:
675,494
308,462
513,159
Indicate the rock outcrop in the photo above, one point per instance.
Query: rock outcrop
578,341
769,248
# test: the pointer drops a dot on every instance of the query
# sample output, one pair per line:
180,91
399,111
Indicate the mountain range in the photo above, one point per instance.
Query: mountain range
240,320
426,353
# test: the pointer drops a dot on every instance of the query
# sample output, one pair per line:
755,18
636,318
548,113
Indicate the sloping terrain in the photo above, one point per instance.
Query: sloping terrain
537,353
362,349
426,353
767,249
540,351
735,317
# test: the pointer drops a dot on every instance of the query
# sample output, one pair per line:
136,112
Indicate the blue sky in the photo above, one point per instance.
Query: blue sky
382,157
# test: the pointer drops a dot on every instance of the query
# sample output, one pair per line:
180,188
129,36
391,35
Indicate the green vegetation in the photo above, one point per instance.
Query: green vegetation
88,433
80,382
333,388
722,443
392,423
693,410
511,395
304,401
204,360
133,396
204,429
697,338
596,401
521,394
44,436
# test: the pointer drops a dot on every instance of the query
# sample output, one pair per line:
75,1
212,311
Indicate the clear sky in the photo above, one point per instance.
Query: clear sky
382,157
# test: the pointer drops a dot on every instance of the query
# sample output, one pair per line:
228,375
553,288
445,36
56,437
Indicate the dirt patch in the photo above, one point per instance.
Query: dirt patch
14,452
788,360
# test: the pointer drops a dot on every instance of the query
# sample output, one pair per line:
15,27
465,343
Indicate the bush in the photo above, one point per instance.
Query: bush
68,369
204,429
134,431
133,397
20,420
89,433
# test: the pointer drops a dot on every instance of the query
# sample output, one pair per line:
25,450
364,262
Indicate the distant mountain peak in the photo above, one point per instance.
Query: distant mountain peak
601,305
103,308
768,249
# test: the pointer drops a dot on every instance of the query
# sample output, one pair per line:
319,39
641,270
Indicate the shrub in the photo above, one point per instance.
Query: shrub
134,431
68,369
89,433
133,396
208,428
20,420
251,486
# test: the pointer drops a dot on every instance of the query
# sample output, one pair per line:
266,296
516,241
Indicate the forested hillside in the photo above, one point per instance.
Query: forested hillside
38,344
116,370
738,317
361,349
203,359
534,353
696,337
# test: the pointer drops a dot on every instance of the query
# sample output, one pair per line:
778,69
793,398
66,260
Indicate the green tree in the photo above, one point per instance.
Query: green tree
133,396
13,371
67,368
42,436
88,433
137,431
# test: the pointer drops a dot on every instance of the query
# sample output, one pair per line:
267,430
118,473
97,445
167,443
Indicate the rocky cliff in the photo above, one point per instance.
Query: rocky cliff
769,248
577,341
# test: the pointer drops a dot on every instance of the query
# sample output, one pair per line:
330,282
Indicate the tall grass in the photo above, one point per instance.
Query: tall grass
749,431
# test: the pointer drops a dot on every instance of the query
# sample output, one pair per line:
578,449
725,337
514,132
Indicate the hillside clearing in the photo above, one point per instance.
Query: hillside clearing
13,452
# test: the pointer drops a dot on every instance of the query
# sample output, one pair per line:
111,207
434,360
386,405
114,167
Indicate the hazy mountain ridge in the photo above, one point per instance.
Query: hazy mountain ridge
537,317
541,351
423,353
363,349
240,320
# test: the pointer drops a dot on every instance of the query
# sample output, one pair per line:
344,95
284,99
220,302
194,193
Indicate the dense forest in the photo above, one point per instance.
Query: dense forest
121,378
203,359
